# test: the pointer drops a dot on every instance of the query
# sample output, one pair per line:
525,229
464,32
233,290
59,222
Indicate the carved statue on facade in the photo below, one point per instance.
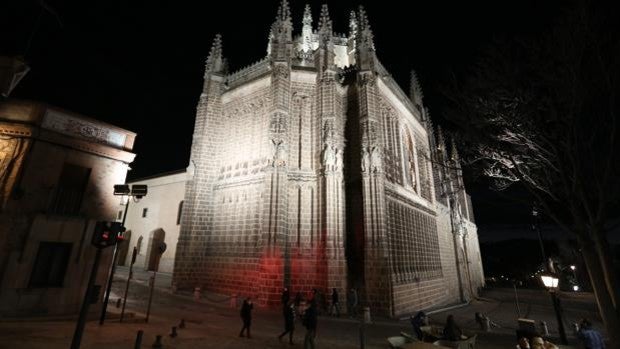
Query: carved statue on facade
375,159
329,158
365,160
278,153
339,155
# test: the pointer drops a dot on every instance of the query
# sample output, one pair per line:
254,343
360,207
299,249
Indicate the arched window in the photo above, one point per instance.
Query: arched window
139,244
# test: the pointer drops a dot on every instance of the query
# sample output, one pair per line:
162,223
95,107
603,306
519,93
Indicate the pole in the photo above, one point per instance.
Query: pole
514,284
540,239
558,315
133,260
79,328
148,309
112,269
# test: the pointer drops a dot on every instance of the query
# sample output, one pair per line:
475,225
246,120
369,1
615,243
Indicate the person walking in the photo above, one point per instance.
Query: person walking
310,322
246,316
335,307
590,337
417,322
285,297
289,322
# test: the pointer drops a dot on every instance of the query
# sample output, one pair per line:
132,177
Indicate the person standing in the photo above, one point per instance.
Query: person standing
417,322
289,322
310,322
335,308
590,337
452,331
352,302
246,316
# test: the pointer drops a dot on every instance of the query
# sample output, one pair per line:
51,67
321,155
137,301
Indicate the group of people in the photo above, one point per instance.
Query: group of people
308,314
451,331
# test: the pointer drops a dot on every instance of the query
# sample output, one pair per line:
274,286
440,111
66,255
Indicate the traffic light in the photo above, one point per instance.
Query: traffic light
107,234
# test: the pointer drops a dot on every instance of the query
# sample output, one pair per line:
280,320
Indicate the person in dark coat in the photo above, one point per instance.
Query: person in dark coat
310,322
452,331
289,322
246,316
417,322
335,308
286,296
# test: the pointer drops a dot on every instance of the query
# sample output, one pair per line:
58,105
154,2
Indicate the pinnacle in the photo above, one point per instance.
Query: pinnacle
325,23
307,20
284,11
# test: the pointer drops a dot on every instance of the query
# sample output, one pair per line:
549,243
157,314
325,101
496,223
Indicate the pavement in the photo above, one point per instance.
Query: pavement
211,322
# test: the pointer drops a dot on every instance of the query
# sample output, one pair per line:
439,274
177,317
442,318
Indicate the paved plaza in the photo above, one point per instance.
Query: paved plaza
213,323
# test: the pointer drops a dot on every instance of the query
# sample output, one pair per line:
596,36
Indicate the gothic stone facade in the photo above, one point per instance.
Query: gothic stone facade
312,169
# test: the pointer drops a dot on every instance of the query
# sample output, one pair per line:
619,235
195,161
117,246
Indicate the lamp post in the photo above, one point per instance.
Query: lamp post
138,191
551,283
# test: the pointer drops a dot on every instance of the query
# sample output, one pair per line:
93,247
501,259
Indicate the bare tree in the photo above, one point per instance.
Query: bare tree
542,111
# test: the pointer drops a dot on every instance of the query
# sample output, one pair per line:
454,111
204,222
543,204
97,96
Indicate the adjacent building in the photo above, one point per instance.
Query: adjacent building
57,172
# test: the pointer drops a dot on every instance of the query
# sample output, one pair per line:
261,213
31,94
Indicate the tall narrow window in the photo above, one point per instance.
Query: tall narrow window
69,190
410,166
180,212
145,212
50,264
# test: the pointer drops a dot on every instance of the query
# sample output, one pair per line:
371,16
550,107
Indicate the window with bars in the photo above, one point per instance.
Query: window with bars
69,190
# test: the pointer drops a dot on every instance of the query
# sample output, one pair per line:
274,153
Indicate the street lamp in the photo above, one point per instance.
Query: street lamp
551,283
126,192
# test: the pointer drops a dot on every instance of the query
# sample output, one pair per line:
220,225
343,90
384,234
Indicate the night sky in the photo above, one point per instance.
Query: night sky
139,64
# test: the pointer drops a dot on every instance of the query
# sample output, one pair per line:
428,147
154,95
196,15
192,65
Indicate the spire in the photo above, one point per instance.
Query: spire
352,25
284,12
307,20
281,36
306,30
325,24
365,32
441,141
454,153
215,62
415,91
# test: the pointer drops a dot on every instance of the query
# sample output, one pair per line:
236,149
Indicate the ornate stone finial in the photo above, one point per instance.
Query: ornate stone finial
215,62
415,91
365,32
454,153
284,12
441,141
352,25
325,23
306,30
307,20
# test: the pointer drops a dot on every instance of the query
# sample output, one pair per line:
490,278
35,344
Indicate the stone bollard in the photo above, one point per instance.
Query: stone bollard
157,343
196,294
544,329
174,287
138,343
367,315
233,300
174,332
118,303
182,324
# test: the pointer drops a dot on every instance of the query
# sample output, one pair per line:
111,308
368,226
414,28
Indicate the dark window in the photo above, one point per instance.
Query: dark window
180,212
50,265
70,189
144,212
120,215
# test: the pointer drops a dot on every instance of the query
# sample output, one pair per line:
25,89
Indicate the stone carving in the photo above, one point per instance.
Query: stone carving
280,71
329,158
375,159
365,160
278,153
252,106
69,125
328,130
339,159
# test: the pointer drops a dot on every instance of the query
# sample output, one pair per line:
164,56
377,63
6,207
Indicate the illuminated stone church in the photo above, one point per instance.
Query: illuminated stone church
311,168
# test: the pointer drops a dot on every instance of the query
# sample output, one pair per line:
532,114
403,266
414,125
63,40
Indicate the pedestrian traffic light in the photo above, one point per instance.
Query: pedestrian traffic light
107,234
